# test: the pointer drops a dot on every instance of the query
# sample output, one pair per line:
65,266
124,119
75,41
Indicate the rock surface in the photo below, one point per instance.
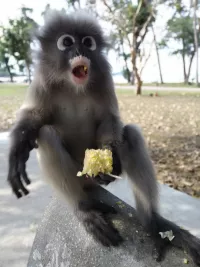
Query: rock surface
61,241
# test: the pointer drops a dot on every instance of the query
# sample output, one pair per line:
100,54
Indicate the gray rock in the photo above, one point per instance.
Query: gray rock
61,241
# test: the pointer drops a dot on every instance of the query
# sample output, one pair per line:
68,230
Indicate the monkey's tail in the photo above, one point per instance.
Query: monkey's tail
182,238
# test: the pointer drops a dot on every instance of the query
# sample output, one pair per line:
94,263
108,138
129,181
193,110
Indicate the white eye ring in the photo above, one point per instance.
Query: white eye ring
60,43
93,42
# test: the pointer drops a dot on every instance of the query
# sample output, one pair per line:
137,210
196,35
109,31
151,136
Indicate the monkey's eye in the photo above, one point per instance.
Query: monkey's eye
65,41
89,42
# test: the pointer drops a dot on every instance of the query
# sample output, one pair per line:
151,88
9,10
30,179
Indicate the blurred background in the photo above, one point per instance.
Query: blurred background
165,40
155,66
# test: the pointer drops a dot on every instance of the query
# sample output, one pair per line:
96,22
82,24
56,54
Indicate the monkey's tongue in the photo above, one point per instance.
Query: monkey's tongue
80,72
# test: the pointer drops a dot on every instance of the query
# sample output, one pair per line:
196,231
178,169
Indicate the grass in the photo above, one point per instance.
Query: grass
160,93
12,89
182,85
170,124
19,90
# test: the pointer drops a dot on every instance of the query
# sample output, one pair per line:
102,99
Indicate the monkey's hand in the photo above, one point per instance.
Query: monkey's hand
103,179
95,220
23,141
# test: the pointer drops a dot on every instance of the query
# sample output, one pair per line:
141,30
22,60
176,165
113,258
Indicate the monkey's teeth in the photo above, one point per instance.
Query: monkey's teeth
80,60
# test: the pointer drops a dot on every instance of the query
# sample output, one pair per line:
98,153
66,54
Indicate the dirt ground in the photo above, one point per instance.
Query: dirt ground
171,126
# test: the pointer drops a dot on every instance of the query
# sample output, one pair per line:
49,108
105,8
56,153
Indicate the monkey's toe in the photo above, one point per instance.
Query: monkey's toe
195,253
159,249
104,179
102,229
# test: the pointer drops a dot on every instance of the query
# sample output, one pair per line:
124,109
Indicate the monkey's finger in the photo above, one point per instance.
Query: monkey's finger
104,208
14,188
21,167
112,234
107,178
100,181
107,234
20,185
16,183
12,173
22,170
159,249
102,230
12,180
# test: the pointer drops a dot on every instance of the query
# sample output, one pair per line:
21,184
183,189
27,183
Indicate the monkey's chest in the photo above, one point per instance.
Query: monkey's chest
77,127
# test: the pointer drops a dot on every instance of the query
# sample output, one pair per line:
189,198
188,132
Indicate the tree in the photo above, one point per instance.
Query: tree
180,29
76,4
157,54
130,24
5,54
17,38
196,38
48,10
142,20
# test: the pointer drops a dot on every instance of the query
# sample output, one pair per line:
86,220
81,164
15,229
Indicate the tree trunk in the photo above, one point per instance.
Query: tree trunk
184,69
158,56
9,71
189,68
127,70
124,56
134,52
132,78
196,42
128,75
136,75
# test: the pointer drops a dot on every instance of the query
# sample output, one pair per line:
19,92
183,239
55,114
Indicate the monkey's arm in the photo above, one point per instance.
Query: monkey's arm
109,135
23,136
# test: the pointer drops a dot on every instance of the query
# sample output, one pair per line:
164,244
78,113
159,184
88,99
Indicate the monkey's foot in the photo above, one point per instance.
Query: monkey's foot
96,223
192,245
194,249
159,250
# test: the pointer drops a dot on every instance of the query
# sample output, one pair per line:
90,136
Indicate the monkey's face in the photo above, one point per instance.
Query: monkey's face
72,49
77,53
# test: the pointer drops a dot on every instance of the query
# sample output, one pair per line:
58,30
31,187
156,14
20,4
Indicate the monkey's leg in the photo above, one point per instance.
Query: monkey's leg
137,163
61,172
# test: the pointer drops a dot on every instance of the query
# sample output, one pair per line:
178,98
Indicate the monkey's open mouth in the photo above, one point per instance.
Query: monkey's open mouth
80,72
80,67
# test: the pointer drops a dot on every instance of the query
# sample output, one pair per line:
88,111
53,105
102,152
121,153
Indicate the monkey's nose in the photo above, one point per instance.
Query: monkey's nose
77,53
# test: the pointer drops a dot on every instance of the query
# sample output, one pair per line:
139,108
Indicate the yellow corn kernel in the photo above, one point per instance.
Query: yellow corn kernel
96,161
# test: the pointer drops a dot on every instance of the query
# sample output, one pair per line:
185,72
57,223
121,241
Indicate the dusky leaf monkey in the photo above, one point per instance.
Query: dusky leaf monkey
71,106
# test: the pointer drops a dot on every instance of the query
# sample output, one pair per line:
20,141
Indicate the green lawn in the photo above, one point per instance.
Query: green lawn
166,85
160,93
12,89
19,90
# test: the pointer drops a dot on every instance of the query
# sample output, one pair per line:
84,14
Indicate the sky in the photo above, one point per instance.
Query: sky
171,65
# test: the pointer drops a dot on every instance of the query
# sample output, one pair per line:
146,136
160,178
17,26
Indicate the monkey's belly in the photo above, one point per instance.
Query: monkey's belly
77,138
